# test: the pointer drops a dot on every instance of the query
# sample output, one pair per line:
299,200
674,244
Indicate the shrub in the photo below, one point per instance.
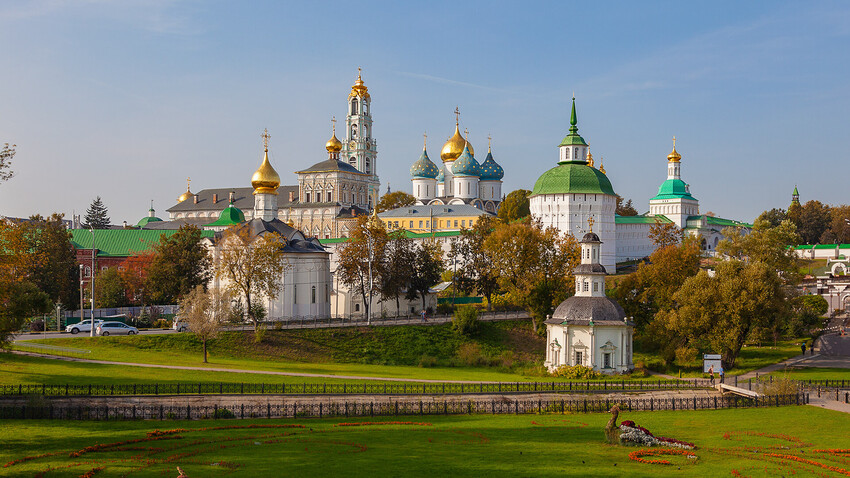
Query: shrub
685,355
779,386
576,372
223,413
37,325
162,324
470,354
428,361
259,333
465,320
445,309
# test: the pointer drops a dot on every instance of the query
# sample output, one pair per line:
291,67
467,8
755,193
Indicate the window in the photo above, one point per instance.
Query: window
88,272
307,196
579,358
463,223
568,153
295,293
455,222
352,160
354,106
595,286
411,225
606,360
330,196
427,223
420,224
585,287
368,166
356,307
353,131
313,295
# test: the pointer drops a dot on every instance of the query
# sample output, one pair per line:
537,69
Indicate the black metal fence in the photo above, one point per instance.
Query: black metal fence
368,388
755,382
315,409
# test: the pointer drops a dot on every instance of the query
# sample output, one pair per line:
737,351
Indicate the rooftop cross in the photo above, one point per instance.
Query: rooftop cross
188,182
333,120
266,137
674,142
425,140
590,223
457,115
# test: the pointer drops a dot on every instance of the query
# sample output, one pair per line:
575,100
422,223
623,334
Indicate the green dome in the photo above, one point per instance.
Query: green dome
466,164
230,216
570,177
145,220
424,167
673,189
490,169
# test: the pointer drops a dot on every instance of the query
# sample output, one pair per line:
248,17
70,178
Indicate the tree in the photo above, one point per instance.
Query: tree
475,269
205,312
720,312
394,200
814,221
774,217
54,271
533,265
664,234
426,271
515,206
96,215
839,228
18,300
765,244
625,209
180,264
251,266
400,256
135,276
6,155
364,251
110,290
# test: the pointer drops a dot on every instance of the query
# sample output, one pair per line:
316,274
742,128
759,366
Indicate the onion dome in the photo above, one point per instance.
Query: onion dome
265,180
441,178
466,164
359,89
334,145
589,159
490,169
424,168
674,156
601,165
187,194
454,146
573,138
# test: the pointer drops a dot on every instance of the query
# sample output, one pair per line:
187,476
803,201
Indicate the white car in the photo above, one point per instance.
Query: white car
180,325
84,326
118,328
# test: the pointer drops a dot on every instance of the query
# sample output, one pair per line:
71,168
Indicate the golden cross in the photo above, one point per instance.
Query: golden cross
590,223
425,136
266,137
674,142
466,132
358,71
489,139
457,115
188,182
333,120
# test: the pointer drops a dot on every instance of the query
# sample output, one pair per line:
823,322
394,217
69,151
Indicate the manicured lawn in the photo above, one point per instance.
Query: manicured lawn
752,357
470,445
815,374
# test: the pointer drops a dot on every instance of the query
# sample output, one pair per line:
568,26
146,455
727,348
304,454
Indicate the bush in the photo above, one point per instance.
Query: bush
465,320
162,324
223,413
576,372
259,333
685,355
779,386
470,354
37,325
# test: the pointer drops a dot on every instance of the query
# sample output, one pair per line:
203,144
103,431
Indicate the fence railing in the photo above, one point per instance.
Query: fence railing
354,388
388,408
755,382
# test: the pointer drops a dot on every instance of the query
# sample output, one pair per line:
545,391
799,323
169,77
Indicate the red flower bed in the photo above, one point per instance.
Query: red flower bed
809,462
91,472
364,424
639,454
160,433
28,458
104,446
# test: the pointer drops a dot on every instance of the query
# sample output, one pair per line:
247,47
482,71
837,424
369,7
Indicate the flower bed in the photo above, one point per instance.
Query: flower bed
364,424
639,455
634,433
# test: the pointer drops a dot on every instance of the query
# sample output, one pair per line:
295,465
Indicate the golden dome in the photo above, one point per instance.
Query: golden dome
359,89
589,159
674,155
454,147
334,145
187,194
601,165
265,180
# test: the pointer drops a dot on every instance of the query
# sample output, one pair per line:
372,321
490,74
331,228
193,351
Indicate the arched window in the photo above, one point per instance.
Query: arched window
313,295
354,131
354,106
294,293
368,166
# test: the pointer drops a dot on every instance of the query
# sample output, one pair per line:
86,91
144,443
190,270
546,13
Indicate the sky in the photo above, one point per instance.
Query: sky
126,99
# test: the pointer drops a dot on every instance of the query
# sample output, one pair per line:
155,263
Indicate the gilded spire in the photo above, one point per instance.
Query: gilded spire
589,159
359,88
601,165
674,155
590,223
333,145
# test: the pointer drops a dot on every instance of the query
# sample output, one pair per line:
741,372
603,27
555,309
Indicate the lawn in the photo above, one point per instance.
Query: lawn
815,373
474,445
752,357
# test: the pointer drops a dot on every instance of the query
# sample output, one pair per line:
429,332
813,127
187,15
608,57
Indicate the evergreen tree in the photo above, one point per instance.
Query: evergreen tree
96,215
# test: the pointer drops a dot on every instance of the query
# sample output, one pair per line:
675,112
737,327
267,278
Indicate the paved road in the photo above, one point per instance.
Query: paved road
53,334
834,344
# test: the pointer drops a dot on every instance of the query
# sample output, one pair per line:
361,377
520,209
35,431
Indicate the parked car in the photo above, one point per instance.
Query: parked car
180,325
84,326
117,328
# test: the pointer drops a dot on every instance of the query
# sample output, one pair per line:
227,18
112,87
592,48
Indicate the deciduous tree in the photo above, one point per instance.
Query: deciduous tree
180,264
110,289
365,250
515,206
394,200
664,234
6,155
765,244
774,216
205,312
814,221
400,258
54,270
426,271
18,300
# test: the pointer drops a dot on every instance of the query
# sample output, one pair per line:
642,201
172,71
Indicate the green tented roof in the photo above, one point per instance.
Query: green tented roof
694,222
571,177
145,220
642,219
231,215
673,189
573,140
121,242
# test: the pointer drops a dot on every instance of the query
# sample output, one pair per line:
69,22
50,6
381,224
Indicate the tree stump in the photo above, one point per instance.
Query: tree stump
612,430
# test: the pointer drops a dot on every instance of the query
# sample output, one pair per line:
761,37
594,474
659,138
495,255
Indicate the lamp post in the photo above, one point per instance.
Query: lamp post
91,228
369,247
58,319
82,289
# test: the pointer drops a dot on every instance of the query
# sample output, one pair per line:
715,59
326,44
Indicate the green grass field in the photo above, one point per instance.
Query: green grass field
815,374
752,357
476,445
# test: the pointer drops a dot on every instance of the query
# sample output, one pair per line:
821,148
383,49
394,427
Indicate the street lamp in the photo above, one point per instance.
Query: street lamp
82,289
92,280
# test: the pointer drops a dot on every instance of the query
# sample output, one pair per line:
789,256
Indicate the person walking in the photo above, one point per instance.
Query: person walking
722,375
423,315
711,374
803,348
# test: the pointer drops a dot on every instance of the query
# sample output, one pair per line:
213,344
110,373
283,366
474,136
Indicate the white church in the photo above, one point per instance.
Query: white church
575,191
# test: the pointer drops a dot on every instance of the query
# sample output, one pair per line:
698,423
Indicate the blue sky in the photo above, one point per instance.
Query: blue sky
126,99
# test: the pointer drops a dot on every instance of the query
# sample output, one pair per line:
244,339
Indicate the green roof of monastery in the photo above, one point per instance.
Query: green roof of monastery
230,216
822,246
673,189
145,220
121,242
641,219
409,234
570,177
573,138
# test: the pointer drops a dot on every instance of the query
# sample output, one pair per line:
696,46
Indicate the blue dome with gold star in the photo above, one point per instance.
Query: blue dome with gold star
490,169
424,168
466,164
441,178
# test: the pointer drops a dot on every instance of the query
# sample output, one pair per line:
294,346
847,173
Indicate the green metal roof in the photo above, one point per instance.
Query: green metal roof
694,222
571,177
573,138
411,235
145,220
642,219
424,167
230,216
673,189
121,242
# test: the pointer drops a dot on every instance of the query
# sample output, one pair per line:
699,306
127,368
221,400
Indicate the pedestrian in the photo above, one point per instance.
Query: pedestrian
711,374
803,348
812,348
722,374
423,315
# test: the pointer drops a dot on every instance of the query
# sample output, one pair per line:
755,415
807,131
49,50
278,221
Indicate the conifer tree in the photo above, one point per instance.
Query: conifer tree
96,215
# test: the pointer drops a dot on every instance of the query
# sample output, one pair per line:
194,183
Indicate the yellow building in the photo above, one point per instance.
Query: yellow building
429,219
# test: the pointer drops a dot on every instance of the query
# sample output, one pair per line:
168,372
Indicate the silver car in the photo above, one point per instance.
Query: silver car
117,328
84,326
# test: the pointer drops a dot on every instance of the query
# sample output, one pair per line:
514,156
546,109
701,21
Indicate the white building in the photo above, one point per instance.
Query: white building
589,328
